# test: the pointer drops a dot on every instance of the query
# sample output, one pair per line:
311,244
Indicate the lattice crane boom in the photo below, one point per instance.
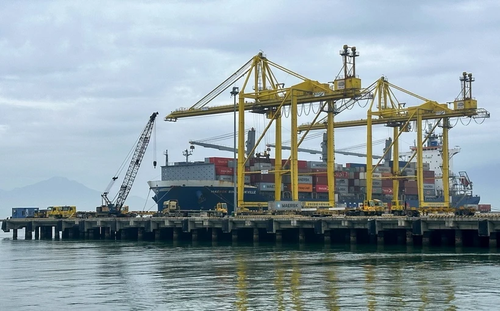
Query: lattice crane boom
133,168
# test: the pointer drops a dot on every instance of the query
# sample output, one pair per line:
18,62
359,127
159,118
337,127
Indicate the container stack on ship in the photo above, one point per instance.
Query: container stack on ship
202,185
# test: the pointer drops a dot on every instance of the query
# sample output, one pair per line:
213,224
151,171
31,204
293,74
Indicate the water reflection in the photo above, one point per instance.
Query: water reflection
126,276
242,284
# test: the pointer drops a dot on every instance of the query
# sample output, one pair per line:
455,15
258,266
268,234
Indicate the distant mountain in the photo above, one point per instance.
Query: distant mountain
57,191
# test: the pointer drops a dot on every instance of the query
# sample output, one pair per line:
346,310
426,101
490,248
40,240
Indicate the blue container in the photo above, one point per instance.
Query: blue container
24,212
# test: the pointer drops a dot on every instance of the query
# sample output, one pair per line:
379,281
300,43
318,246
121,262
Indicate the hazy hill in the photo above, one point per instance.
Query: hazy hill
57,191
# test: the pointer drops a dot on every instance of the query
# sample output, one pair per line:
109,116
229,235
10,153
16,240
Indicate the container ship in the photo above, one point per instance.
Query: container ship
202,185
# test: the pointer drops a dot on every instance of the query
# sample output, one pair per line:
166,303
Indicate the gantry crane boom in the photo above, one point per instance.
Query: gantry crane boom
431,110
314,151
263,99
135,163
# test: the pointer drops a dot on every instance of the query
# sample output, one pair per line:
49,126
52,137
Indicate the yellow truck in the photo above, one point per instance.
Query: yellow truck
61,211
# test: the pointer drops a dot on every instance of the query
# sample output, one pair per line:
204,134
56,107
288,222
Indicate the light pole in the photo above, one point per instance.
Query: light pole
234,92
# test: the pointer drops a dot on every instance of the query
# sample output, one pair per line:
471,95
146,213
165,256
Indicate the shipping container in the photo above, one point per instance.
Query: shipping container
263,186
387,190
429,174
261,166
411,190
305,187
341,189
302,179
429,187
429,192
360,165
316,164
409,172
24,212
255,178
233,164
484,208
377,183
341,174
410,184
383,169
386,183
218,161
341,182
285,205
221,170
321,188
320,180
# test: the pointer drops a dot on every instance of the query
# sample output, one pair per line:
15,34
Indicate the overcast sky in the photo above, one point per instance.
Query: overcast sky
79,79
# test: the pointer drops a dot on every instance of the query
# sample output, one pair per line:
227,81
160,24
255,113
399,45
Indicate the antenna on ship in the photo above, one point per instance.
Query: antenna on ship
166,157
187,153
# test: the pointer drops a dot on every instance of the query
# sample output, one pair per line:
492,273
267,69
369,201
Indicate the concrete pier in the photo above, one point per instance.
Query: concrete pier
409,237
458,238
175,234
255,234
493,242
215,234
426,231
353,236
194,235
279,237
302,237
28,235
426,238
380,238
327,238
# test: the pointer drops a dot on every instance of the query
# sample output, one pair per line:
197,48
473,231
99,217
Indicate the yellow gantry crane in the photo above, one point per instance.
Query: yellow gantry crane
385,109
268,96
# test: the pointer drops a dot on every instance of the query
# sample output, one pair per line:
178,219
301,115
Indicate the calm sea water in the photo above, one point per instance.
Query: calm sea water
108,275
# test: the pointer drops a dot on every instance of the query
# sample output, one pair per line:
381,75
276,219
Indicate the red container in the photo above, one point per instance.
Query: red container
341,174
386,190
484,208
428,174
219,161
301,164
321,188
262,178
386,183
411,190
410,184
320,180
221,170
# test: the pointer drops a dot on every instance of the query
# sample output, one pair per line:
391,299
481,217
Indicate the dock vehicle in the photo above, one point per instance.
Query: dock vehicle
62,211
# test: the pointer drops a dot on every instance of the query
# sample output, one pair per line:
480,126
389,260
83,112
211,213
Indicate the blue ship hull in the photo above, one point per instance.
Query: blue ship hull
207,197
203,197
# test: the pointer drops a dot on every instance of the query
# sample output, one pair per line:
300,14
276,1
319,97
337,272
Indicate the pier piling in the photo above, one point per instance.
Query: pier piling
426,231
